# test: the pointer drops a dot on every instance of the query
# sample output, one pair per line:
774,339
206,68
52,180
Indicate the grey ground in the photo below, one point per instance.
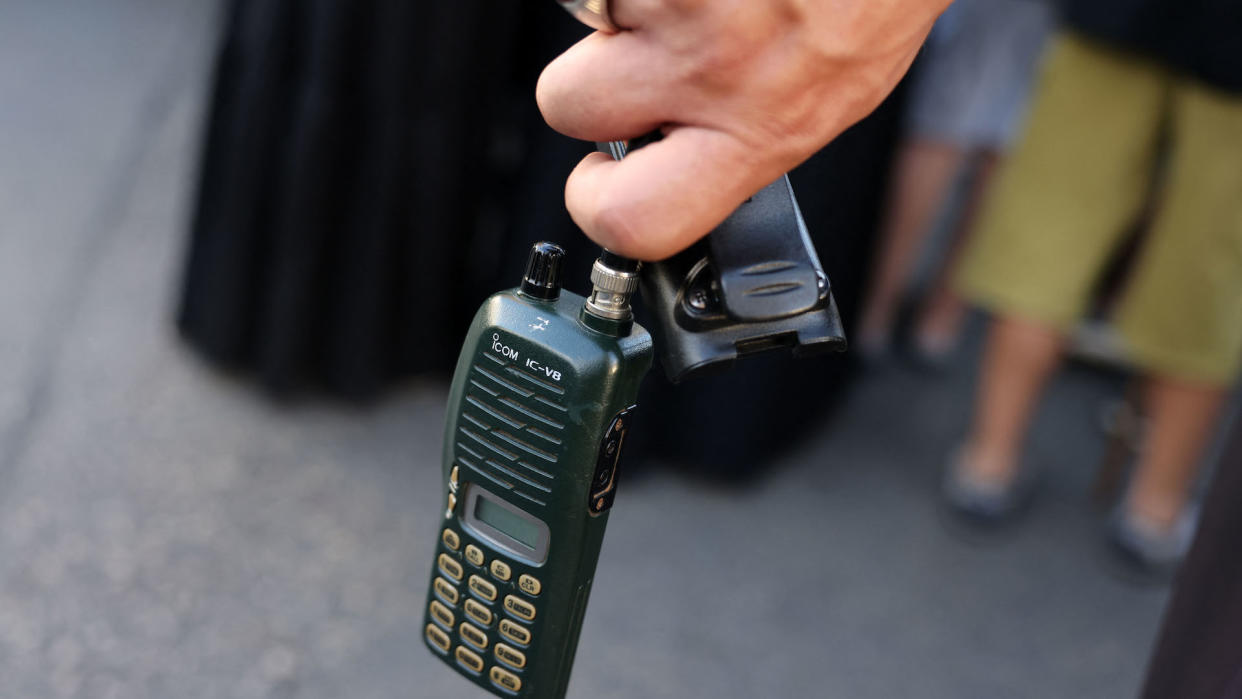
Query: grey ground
164,532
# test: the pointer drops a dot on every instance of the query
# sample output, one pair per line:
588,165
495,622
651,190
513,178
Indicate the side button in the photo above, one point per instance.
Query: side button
505,679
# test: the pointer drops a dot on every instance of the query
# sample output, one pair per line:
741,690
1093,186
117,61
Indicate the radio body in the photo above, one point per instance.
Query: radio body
536,422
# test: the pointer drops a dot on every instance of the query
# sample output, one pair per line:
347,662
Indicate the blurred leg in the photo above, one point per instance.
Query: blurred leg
943,313
1182,417
1020,356
922,176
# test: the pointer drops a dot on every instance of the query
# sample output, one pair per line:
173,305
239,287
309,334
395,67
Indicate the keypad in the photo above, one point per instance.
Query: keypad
478,612
482,588
473,634
446,591
503,678
469,659
514,632
530,585
501,570
512,657
469,631
438,638
441,614
450,567
451,540
519,608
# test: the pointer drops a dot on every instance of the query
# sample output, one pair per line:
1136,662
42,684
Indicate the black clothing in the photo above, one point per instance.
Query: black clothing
1200,37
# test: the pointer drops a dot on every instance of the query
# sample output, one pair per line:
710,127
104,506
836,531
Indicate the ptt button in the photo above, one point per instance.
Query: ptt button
505,679
482,588
478,612
530,585
512,657
442,615
450,567
453,478
452,505
451,540
501,570
445,590
514,632
474,635
438,638
469,659
474,555
519,608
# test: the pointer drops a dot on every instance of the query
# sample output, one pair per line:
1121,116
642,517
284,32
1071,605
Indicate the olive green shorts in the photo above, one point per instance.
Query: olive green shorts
1080,177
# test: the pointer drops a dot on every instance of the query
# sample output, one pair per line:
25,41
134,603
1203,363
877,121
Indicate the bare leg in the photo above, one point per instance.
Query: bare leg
922,175
944,311
1020,356
1182,418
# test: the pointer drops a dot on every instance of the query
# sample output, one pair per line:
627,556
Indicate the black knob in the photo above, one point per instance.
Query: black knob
543,271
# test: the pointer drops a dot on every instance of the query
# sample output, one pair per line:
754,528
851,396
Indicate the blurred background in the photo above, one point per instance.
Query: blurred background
239,246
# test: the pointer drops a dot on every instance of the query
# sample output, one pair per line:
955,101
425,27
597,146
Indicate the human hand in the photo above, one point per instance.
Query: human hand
743,90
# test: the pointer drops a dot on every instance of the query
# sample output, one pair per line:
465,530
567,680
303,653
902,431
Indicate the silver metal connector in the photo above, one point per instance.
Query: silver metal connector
613,289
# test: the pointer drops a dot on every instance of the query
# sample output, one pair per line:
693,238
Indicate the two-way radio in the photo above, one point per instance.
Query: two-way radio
537,417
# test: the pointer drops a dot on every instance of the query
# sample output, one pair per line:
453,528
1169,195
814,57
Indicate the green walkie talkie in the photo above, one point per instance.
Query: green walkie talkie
537,416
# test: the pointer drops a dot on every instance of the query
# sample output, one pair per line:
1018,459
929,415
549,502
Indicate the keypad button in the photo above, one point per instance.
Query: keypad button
505,679
514,632
469,659
451,540
473,634
519,608
445,590
478,612
530,585
482,588
441,614
512,657
450,567
501,570
474,555
438,638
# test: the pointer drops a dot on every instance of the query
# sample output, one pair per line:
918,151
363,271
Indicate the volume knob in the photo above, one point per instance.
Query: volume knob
543,271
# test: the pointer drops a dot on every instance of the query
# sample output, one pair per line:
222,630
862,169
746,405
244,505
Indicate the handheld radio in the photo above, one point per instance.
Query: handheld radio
538,412
537,418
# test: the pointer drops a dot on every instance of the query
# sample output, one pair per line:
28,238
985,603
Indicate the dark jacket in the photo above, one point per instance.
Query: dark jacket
1203,38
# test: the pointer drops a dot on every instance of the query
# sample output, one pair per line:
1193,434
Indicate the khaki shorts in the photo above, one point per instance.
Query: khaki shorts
1078,179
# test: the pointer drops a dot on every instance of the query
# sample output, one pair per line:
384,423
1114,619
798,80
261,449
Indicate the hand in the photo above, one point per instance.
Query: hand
744,90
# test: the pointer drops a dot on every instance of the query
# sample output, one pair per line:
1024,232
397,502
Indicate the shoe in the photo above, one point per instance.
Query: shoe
1145,552
981,504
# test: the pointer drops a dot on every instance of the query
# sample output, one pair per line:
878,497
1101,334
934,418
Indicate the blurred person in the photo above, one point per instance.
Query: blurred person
1125,90
967,99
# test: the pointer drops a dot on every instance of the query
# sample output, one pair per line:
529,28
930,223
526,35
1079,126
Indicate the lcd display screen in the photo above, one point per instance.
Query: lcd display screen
510,524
